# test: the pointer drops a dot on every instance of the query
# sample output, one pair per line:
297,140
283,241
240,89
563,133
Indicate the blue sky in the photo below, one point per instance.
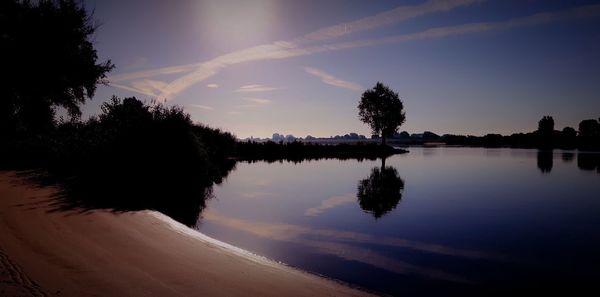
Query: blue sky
299,67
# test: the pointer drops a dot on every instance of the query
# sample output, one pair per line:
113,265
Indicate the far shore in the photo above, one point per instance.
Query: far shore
101,253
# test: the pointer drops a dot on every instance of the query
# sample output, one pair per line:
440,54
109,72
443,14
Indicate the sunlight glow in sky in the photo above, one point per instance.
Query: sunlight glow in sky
299,67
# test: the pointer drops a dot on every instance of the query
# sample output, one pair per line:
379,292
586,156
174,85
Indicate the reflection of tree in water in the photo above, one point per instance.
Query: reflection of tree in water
545,161
381,191
179,195
588,161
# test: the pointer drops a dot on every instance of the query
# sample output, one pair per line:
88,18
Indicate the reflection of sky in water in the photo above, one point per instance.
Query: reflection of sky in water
468,218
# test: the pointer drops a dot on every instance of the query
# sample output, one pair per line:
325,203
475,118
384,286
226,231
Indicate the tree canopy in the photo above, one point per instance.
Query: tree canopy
49,60
382,109
546,125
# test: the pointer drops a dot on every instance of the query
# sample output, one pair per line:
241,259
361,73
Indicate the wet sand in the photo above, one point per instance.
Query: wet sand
100,253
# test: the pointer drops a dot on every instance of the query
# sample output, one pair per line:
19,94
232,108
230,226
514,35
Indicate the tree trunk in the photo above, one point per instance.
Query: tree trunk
383,139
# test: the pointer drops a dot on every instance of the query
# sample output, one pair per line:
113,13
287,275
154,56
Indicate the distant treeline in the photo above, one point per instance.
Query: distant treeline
299,151
587,137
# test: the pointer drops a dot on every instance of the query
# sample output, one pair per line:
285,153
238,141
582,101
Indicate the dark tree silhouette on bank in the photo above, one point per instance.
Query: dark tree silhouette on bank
136,156
546,125
382,109
589,128
381,191
47,52
545,132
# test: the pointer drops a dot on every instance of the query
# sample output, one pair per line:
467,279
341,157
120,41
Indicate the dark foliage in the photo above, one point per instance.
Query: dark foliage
219,146
46,48
546,125
382,109
133,156
300,151
545,132
589,134
381,191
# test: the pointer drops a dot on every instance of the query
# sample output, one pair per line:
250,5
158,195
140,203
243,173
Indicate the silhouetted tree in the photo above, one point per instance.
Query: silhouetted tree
569,132
382,109
589,129
545,131
546,125
47,52
381,191
589,134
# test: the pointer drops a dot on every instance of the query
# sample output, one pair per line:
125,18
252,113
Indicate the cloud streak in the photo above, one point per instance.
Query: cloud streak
255,88
332,80
257,195
302,46
260,101
390,17
281,49
205,107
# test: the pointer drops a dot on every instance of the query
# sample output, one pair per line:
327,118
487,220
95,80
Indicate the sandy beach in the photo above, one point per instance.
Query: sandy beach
99,253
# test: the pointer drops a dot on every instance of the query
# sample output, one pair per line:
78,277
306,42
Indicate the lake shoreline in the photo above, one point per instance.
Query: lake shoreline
144,253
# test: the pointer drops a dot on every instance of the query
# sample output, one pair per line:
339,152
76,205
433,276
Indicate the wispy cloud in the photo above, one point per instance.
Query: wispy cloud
234,112
128,88
395,15
255,88
282,49
260,101
149,86
302,46
386,18
212,86
154,72
257,195
440,32
205,107
152,88
332,80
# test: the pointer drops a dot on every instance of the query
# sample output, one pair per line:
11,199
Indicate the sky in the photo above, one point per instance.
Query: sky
299,67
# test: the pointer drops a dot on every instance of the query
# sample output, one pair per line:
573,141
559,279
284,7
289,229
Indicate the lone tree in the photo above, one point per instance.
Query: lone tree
46,49
546,125
382,109
545,132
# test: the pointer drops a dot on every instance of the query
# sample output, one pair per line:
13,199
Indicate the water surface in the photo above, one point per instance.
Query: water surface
457,221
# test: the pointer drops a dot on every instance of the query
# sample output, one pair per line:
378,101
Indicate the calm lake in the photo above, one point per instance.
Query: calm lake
457,221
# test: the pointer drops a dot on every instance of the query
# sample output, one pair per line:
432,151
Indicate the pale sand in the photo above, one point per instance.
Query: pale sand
100,253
